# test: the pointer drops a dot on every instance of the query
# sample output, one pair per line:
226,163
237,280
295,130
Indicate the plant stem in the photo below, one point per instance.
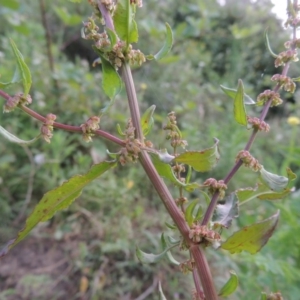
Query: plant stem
66,127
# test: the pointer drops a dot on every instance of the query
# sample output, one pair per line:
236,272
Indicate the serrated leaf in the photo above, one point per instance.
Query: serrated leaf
232,93
239,107
273,181
164,245
263,191
230,286
149,258
164,170
160,292
268,45
58,199
15,139
247,194
200,161
225,213
251,238
111,81
167,45
22,68
125,25
147,120
189,216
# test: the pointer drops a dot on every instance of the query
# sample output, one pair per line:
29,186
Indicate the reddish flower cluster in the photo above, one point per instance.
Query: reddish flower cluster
258,124
47,127
89,127
284,81
130,152
215,186
14,101
286,56
248,160
267,95
199,233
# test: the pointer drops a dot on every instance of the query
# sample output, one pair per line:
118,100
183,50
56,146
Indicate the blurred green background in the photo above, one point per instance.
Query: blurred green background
88,251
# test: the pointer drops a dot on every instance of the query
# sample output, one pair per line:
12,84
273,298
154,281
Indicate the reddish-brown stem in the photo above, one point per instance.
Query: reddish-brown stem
210,210
66,127
198,284
155,179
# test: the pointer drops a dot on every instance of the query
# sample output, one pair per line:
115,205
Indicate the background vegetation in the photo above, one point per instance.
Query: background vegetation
87,252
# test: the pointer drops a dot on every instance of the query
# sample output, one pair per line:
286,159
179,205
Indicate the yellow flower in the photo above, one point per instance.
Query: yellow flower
293,121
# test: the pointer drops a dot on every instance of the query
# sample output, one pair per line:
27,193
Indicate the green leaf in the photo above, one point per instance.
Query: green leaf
268,45
147,120
120,132
161,293
166,47
111,81
225,213
169,254
15,139
273,181
239,106
230,286
251,238
12,4
22,68
263,191
125,25
149,258
200,161
173,227
112,38
164,170
58,199
189,216
247,194
232,94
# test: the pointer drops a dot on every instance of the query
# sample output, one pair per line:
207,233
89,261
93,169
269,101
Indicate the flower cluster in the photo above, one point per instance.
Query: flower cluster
135,57
14,101
174,133
284,81
248,160
89,127
109,4
181,201
275,296
187,266
215,186
258,124
268,95
47,127
286,56
130,153
139,3
199,233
